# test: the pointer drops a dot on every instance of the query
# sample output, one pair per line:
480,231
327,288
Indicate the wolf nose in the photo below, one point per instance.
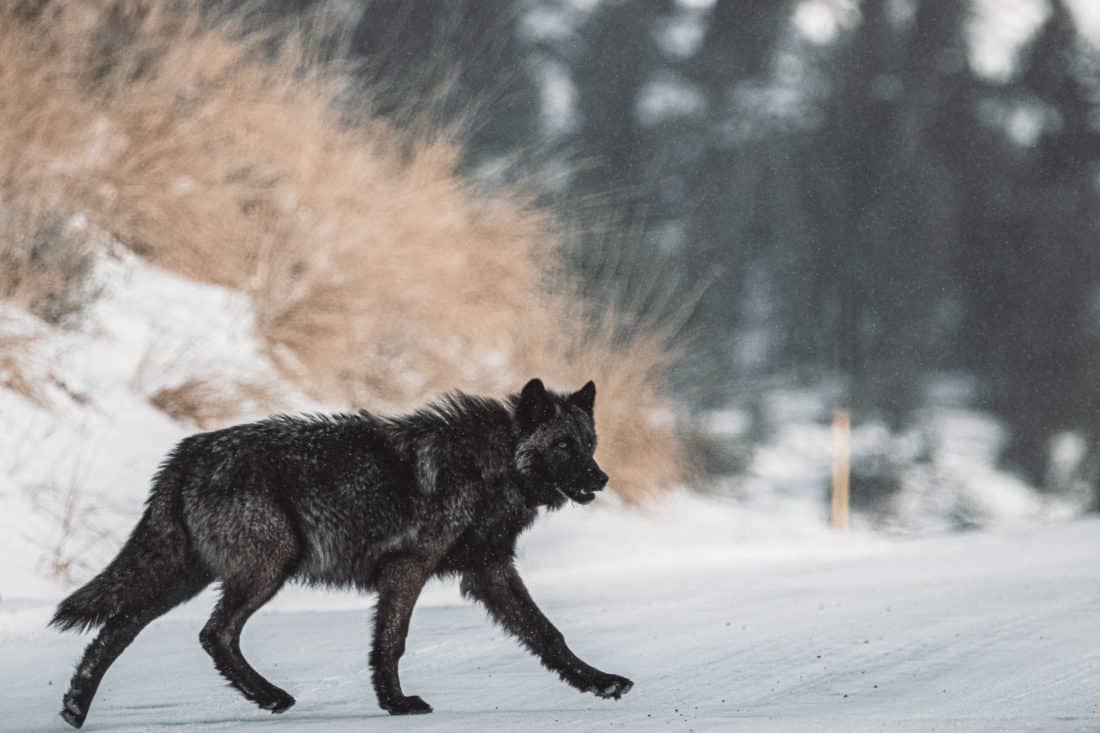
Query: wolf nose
599,477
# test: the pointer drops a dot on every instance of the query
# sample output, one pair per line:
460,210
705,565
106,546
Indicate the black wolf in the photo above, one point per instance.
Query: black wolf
354,500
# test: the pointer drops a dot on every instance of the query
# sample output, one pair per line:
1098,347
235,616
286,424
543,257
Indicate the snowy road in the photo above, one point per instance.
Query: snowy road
972,632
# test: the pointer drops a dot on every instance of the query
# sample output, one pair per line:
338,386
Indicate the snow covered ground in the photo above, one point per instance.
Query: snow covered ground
970,632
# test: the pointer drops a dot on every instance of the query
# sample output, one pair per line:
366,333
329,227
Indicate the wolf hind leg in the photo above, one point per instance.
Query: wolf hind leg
117,634
242,596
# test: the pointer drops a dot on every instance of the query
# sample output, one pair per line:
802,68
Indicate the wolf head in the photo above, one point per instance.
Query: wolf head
557,439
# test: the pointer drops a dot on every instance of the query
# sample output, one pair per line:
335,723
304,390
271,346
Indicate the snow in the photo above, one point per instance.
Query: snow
968,632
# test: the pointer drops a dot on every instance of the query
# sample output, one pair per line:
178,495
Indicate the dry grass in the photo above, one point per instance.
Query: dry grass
14,351
44,264
379,275
210,404
80,535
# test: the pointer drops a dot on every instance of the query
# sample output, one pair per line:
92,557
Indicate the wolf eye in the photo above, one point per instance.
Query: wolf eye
563,445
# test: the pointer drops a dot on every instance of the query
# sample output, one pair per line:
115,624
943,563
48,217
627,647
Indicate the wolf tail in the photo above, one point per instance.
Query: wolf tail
156,558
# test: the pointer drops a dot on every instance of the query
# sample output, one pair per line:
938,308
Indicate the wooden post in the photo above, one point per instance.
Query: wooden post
842,452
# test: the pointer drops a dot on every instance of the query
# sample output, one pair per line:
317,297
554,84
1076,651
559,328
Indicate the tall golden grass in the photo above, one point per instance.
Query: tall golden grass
379,275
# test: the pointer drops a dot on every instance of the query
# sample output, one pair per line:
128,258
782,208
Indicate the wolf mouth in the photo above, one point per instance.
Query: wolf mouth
580,496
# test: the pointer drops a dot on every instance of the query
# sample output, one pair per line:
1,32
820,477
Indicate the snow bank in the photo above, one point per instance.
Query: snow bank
74,471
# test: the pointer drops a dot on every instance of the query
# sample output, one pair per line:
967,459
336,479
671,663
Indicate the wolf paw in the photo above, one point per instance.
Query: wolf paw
74,711
276,701
609,686
411,705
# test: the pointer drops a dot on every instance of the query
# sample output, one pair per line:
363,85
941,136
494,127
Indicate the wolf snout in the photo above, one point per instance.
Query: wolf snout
598,478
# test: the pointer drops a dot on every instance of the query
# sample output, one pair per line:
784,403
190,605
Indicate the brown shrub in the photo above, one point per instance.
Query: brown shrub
378,274
209,404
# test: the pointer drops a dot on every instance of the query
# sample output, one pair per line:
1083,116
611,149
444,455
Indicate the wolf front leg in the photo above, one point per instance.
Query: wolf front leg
399,583
501,590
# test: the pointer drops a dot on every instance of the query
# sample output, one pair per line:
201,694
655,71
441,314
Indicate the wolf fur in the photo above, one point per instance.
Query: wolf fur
350,500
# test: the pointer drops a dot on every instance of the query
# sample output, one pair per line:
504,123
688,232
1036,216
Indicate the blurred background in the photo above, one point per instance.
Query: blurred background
736,216
888,206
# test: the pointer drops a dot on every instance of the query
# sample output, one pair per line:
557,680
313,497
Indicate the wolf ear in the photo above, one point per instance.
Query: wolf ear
585,397
534,405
